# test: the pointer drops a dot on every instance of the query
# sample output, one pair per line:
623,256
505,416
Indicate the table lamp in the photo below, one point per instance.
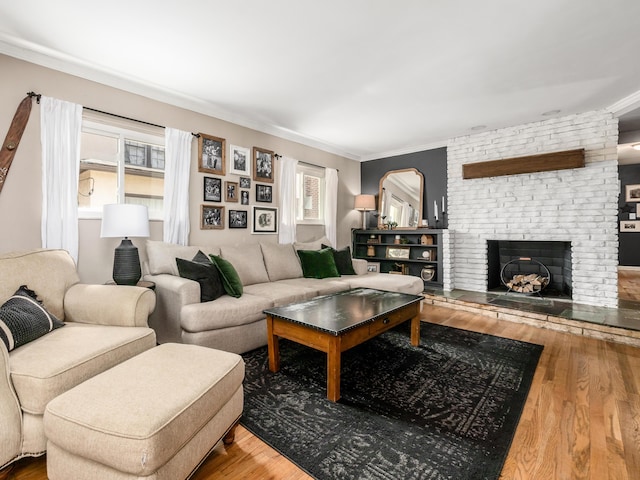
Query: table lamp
125,220
365,203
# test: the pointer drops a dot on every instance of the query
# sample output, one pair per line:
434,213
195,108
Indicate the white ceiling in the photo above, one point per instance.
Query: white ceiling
361,78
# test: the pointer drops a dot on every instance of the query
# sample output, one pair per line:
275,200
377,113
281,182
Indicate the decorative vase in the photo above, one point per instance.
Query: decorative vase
371,252
427,273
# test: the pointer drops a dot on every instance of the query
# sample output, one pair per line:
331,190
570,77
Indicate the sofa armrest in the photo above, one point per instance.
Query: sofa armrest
118,305
10,414
172,293
359,266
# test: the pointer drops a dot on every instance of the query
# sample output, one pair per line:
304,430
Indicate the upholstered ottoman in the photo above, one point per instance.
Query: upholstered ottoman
155,416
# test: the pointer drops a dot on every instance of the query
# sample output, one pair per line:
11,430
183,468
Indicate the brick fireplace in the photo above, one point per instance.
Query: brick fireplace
576,206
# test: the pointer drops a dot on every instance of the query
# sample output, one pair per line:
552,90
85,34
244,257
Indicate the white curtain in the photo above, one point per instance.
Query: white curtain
61,126
331,204
287,200
405,218
177,162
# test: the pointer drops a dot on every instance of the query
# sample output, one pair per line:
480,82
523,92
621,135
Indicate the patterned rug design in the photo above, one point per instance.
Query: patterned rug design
445,410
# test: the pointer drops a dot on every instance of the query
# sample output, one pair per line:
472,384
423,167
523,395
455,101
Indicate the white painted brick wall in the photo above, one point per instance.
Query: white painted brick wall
578,205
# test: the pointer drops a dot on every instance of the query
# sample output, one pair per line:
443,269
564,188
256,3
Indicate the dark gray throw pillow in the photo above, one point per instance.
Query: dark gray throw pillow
203,271
342,259
23,318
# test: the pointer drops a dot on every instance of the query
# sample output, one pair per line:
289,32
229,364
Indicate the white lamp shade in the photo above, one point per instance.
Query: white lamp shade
124,220
365,202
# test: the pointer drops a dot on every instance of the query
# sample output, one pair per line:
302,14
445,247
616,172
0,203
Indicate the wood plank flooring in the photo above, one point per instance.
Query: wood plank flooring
629,285
581,420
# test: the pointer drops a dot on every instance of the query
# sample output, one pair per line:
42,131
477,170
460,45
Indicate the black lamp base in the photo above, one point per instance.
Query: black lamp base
126,264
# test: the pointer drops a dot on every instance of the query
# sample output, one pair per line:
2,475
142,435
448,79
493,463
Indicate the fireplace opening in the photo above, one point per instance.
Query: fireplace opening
547,259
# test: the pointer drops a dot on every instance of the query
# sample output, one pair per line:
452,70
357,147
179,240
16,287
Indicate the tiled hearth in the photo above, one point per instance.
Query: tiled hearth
620,324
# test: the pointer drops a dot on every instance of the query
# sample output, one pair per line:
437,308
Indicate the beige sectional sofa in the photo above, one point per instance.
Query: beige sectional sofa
271,275
104,326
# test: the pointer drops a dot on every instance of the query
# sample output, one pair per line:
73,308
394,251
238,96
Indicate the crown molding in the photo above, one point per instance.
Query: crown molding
404,151
625,105
59,61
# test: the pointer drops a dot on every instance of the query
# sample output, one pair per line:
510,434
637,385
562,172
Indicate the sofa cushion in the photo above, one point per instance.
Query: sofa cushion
23,318
224,312
318,263
324,286
43,369
49,272
313,245
162,256
280,293
203,271
281,261
248,261
343,260
230,279
387,281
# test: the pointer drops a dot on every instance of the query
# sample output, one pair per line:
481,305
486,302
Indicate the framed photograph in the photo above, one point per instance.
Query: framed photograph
632,193
211,154
237,219
211,217
245,182
264,193
265,220
398,252
240,161
630,226
373,267
212,189
244,197
263,165
231,191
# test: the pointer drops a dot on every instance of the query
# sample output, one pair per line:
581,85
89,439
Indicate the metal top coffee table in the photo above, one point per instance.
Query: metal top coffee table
338,322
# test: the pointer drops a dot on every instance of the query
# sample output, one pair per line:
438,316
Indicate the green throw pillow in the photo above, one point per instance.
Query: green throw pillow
230,278
203,271
318,263
342,259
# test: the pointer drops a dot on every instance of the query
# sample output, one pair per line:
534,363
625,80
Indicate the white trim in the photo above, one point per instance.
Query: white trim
47,57
626,104
404,151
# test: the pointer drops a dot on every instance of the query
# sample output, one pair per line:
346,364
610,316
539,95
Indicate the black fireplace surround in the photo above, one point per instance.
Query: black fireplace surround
556,256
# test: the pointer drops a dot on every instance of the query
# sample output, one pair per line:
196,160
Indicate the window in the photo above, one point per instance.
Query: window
310,191
120,165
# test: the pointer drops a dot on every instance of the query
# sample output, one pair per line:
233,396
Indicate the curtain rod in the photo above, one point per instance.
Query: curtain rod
38,96
130,119
311,164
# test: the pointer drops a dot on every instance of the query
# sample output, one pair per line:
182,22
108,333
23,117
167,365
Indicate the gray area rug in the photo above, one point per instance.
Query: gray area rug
445,410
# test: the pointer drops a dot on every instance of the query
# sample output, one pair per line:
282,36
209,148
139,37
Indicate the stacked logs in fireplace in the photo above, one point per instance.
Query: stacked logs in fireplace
527,283
525,275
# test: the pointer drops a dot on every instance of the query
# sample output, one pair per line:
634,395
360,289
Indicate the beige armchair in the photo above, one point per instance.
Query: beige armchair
104,326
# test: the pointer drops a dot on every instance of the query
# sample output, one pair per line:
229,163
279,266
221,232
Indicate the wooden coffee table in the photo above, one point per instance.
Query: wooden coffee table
338,322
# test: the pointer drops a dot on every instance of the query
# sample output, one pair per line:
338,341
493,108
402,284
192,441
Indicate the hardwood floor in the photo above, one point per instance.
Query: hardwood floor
581,420
629,285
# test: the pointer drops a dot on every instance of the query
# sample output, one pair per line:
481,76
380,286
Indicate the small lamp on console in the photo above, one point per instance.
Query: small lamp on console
365,203
125,220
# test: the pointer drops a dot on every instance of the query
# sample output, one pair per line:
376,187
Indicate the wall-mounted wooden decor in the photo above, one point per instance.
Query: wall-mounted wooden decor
531,164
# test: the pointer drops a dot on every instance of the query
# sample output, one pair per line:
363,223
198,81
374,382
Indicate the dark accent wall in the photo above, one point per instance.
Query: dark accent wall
431,163
629,249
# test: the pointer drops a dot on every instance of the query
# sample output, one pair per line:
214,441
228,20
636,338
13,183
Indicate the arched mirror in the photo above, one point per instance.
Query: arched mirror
400,198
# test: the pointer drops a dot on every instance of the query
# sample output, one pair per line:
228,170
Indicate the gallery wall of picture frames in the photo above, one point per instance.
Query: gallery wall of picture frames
257,164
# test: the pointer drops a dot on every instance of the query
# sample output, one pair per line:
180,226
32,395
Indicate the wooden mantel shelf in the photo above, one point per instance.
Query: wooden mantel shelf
531,164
